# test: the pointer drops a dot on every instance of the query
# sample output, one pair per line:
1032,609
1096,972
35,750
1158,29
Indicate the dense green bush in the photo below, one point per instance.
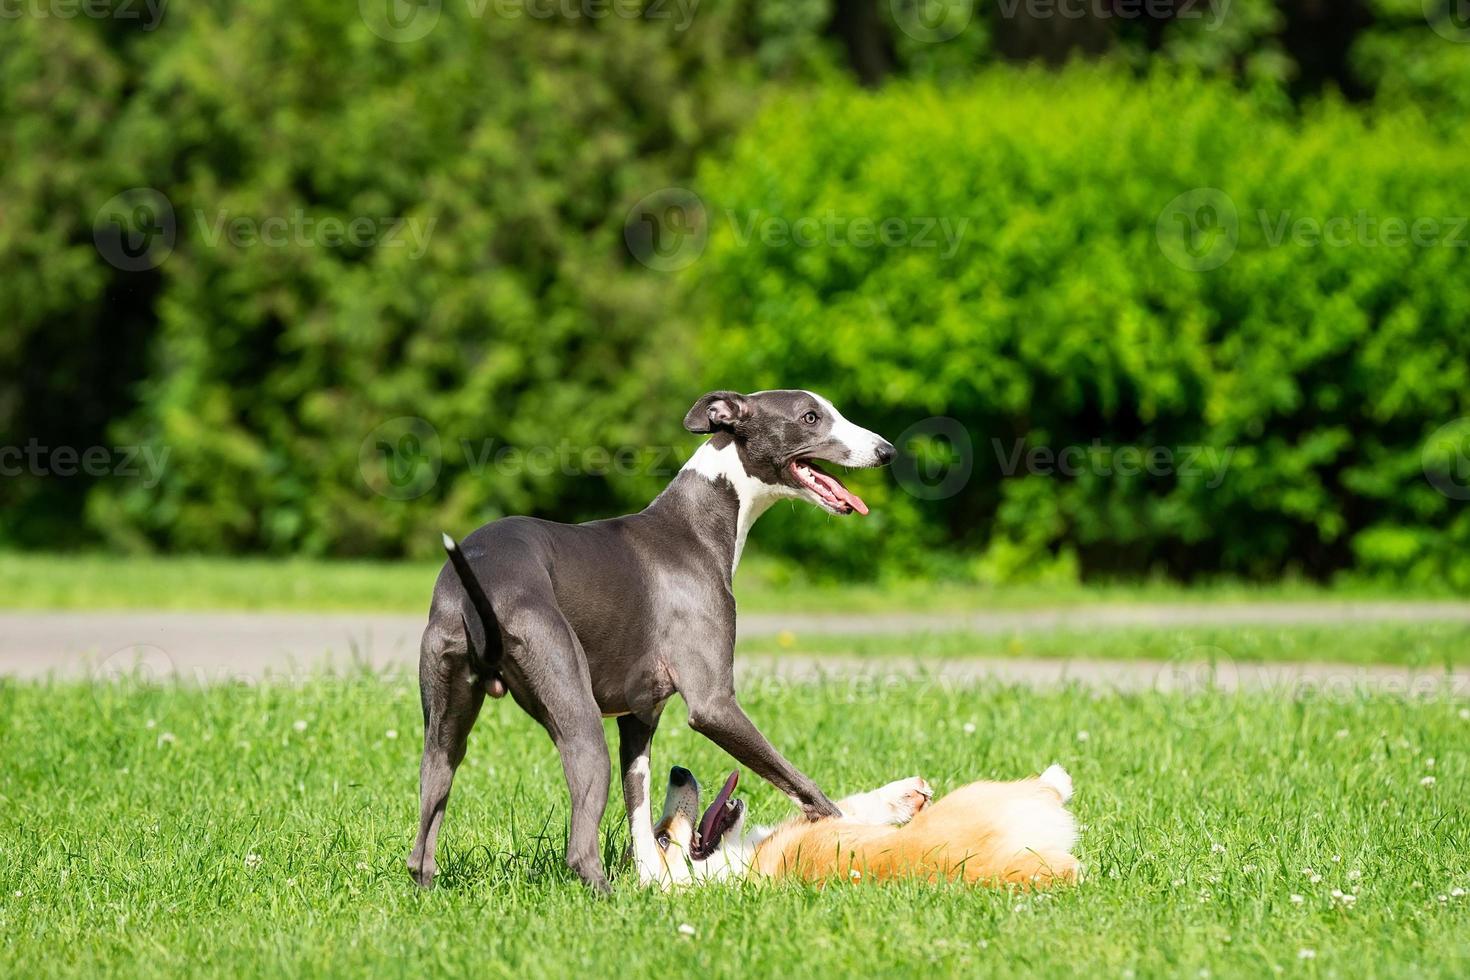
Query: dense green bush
499,153
1078,310
504,154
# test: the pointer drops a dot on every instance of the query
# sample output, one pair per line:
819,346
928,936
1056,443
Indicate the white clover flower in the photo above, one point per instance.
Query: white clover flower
969,728
299,724
685,929
391,733
1083,736
1297,900
1343,733
1429,762
1427,781
1217,848
1306,954
1457,893
167,738
252,860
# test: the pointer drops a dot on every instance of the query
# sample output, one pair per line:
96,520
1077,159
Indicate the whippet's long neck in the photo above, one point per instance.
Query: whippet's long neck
718,500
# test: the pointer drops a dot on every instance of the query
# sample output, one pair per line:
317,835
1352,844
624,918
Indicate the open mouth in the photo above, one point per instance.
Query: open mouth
718,819
828,490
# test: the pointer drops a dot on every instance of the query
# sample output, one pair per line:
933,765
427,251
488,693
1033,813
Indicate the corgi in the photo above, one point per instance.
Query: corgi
985,833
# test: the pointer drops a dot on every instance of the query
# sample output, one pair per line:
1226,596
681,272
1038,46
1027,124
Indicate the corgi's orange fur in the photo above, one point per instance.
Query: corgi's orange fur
982,833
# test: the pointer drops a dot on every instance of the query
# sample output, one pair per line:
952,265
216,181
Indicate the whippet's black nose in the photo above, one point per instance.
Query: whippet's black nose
679,776
885,453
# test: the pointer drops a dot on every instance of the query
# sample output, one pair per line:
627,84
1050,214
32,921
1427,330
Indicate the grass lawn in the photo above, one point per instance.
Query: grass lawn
100,581
1426,645
262,830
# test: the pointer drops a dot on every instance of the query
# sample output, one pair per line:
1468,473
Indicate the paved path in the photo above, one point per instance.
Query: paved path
216,646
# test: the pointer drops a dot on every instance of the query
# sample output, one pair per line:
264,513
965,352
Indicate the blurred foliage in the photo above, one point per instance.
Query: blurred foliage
510,149
516,145
1068,315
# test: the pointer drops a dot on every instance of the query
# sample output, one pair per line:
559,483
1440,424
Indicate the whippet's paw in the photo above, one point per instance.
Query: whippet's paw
422,872
894,804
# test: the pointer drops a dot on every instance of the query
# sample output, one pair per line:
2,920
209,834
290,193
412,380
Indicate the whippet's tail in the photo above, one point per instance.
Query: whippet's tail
482,629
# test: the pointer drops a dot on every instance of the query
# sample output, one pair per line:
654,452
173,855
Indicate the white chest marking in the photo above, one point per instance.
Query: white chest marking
755,496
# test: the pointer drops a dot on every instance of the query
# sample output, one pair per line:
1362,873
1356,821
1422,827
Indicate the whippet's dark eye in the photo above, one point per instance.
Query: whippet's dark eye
810,418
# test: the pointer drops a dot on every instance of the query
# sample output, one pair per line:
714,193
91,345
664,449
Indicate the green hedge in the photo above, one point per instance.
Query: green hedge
501,152
1073,313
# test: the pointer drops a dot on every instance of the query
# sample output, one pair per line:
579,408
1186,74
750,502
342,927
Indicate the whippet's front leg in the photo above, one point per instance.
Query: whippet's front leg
720,718
635,746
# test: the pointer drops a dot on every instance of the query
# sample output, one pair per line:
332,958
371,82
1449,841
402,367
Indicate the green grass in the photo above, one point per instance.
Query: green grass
1426,645
129,817
100,581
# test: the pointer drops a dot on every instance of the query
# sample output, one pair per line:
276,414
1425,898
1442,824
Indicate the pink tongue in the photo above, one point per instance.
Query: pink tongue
841,493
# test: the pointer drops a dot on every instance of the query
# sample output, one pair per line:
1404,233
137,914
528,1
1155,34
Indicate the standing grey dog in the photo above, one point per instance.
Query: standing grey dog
612,617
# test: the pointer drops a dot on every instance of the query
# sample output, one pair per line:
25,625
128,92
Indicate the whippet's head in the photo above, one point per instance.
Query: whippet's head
778,437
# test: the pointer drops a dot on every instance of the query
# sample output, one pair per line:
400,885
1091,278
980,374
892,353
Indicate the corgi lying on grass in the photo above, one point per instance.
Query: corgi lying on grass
985,833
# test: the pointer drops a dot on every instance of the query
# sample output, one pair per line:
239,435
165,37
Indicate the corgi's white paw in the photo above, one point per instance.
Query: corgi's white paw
895,803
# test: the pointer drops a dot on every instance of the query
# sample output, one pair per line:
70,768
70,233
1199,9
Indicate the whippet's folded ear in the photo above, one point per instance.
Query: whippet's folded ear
718,410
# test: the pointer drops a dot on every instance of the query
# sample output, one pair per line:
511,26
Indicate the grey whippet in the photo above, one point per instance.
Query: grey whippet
611,617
